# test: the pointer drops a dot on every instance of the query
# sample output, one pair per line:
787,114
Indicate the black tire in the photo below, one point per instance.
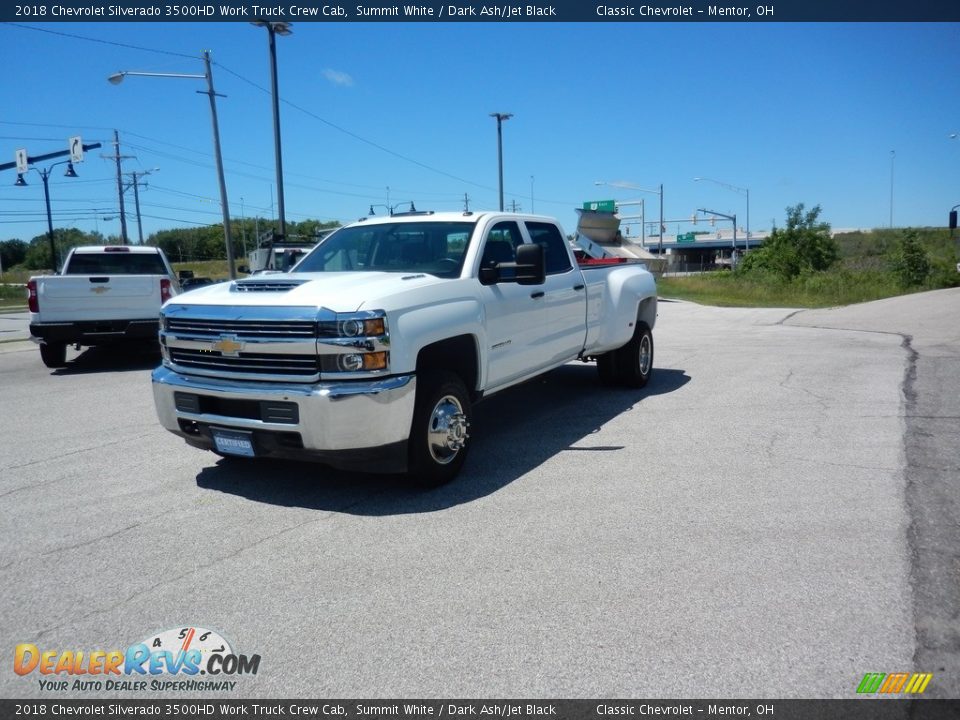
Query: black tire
54,355
438,445
635,359
607,369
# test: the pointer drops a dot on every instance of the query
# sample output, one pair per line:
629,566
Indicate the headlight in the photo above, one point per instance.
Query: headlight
356,327
354,343
370,324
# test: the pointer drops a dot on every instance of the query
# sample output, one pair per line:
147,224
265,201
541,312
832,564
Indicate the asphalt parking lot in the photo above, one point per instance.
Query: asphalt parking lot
775,515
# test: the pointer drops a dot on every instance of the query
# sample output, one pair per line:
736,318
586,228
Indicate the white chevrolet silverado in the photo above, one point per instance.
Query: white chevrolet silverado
104,294
371,352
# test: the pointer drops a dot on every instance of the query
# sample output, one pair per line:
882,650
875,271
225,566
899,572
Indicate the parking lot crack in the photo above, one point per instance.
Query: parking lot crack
85,543
175,580
78,451
822,401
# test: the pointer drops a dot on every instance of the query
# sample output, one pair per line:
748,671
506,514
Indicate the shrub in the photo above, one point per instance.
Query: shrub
910,261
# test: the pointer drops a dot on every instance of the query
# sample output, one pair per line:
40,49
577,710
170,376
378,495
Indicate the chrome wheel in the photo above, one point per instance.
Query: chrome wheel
645,354
447,430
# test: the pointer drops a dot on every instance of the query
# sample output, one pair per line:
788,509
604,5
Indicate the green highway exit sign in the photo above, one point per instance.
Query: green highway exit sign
601,205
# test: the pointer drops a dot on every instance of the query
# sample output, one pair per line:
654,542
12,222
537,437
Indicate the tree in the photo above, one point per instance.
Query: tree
910,261
804,245
38,253
12,252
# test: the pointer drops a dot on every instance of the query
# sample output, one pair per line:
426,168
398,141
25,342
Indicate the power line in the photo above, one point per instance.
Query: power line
289,103
353,134
102,42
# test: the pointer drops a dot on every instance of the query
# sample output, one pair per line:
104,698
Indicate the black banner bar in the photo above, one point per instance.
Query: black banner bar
192,709
472,11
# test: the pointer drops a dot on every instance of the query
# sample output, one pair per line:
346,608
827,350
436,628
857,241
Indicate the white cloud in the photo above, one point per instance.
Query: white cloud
337,77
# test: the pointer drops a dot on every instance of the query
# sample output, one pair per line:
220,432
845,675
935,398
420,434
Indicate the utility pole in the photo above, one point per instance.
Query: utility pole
135,182
243,228
211,93
118,157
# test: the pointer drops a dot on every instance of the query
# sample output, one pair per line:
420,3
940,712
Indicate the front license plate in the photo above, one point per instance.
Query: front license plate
233,442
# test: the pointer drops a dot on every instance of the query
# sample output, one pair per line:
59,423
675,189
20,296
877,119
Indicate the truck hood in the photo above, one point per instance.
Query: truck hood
340,292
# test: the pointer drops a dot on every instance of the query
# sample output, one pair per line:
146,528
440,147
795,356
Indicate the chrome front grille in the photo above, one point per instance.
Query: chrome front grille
247,363
196,327
262,343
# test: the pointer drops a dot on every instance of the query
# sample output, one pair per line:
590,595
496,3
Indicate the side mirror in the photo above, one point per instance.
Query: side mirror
489,276
531,264
245,269
185,275
529,268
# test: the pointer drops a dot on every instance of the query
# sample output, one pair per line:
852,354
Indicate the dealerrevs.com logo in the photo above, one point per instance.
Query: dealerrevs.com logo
180,659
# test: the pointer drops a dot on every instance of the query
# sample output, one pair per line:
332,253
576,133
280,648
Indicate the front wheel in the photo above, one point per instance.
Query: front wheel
438,435
54,355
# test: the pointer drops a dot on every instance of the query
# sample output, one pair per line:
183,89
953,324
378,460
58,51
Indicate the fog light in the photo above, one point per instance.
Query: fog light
351,363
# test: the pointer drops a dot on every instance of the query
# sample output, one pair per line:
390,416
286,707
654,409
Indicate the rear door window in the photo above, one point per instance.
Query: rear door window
555,246
115,263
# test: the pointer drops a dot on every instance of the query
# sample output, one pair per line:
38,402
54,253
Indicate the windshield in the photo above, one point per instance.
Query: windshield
437,248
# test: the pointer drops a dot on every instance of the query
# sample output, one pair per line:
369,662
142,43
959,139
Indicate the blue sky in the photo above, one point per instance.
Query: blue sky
795,112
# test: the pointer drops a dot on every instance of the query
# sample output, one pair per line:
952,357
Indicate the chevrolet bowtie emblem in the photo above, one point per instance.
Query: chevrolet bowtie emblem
228,345
99,290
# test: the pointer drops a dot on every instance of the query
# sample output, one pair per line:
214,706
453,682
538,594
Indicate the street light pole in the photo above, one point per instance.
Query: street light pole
117,78
893,155
736,188
274,29
500,118
45,176
660,229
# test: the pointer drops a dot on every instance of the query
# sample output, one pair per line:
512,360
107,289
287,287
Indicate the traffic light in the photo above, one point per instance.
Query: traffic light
953,219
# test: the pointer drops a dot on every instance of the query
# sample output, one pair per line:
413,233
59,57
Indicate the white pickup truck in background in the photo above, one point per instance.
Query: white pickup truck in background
371,352
104,294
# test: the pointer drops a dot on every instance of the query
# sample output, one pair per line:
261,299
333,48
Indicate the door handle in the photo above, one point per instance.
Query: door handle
537,294
581,286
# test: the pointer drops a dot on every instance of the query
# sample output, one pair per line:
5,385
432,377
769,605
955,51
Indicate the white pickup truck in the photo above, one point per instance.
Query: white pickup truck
104,294
371,352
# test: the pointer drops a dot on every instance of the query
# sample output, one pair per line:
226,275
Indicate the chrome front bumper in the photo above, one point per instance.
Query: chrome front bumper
350,424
